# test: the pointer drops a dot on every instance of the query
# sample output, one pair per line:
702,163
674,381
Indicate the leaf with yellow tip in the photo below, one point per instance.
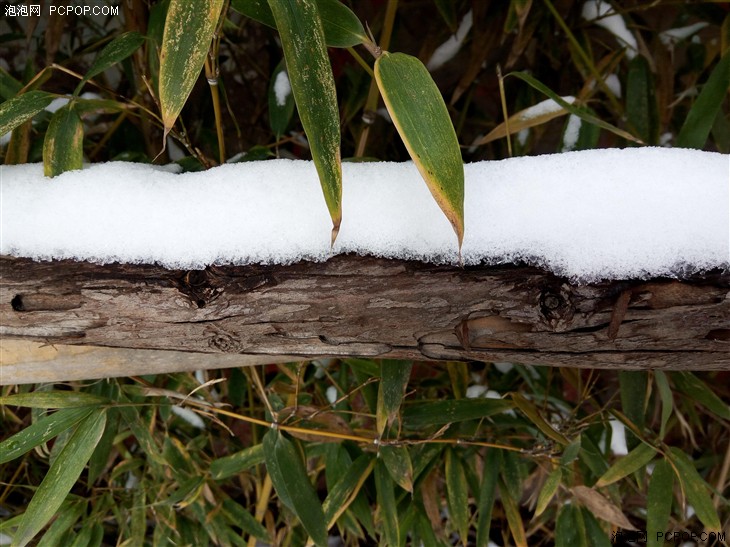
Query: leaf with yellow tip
419,113
189,29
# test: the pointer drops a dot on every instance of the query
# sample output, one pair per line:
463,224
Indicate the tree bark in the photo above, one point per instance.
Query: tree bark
64,320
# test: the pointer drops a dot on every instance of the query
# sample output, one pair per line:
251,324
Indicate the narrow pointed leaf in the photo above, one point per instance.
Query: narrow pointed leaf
291,482
600,506
633,461
419,113
189,29
344,491
393,380
63,147
524,119
696,389
313,86
427,413
514,519
641,106
695,488
398,461
457,494
667,398
22,108
568,529
386,504
701,116
61,477
341,27
580,112
659,501
41,431
225,467
117,50
245,520
596,536
530,410
548,490
53,399
487,494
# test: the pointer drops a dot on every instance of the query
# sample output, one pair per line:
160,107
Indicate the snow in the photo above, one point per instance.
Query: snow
542,108
589,215
674,35
601,13
571,133
282,88
446,51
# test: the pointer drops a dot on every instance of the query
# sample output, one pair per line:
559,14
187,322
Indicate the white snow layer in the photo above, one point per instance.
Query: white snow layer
282,88
446,51
602,14
598,214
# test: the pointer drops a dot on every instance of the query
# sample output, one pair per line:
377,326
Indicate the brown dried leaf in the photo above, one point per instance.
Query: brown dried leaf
601,507
312,418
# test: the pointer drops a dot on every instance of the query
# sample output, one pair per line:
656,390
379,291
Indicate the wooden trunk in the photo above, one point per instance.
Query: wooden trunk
65,320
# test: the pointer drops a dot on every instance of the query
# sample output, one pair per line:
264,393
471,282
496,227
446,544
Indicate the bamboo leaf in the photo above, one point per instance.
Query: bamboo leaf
386,504
695,488
117,50
290,480
633,461
595,535
398,462
548,490
601,506
514,519
701,116
419,113
633,384
63,147
66,517
313,86
393,380
22,108
569,528
526,118
344,491
698,390
238,516
580,112
189,29
341,27
659,501
53,399
457,494
487,494
41,431
641,106
427,413
667,398
61,476
530,410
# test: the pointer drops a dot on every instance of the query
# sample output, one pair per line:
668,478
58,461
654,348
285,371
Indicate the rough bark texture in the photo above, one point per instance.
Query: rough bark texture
348,306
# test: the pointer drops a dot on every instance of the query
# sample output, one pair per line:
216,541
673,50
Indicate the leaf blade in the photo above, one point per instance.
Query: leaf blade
63,147
420,115
18,110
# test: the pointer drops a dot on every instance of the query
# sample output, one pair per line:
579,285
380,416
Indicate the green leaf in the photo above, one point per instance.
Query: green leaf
61,477
667,398
344,491
393,380
290,480
239,517
117,50
548,490
53,399
66,517
487,494
697,390
514,519
341,27
701,116
41,431
659,501
457,494
9,86
570,528
596,536
313,86
633,384
189,29
426,413
583,114
63,147
530,410
225,467
386,504
22,108
398,462
695,488
633,461
571,451
419,113
281,101
459,376
641,106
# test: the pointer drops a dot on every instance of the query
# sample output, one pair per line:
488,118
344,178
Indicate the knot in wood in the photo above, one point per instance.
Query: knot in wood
225,343
555,304
200,286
